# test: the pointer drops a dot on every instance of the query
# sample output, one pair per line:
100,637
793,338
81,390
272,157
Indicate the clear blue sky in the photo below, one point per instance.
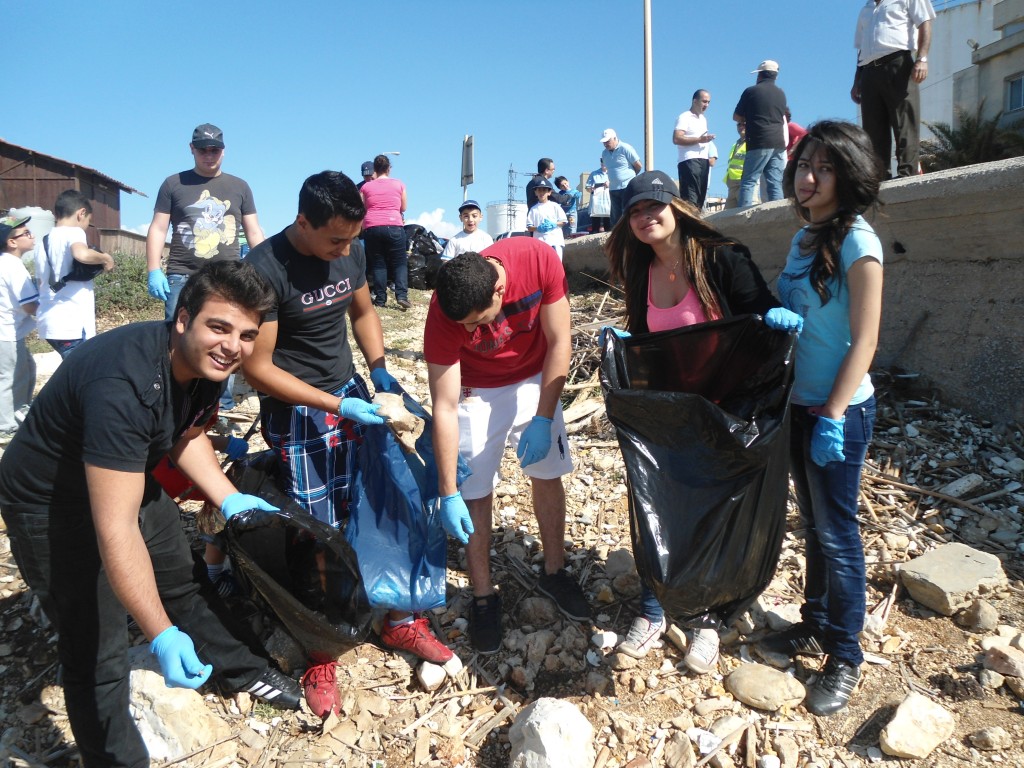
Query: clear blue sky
302,86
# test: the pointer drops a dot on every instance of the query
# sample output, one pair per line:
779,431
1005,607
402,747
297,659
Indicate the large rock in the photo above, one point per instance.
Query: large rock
1005,661
173,721
551,733
947,578
918,727
990,739
762,687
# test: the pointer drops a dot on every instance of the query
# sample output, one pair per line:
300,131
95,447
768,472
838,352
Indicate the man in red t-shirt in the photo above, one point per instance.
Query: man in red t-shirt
497,345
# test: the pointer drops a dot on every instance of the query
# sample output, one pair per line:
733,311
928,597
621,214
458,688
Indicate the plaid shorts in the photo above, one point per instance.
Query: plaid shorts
318,452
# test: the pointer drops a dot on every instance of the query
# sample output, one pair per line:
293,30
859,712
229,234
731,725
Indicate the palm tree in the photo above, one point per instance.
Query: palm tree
974,140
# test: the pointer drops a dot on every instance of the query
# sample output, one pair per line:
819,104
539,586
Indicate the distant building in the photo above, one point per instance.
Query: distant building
996,74
960,26
31,178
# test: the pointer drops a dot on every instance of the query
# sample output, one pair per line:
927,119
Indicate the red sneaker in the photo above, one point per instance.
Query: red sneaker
321,689
416,638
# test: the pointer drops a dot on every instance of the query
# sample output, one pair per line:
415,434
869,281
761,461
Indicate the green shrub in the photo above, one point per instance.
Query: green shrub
122,295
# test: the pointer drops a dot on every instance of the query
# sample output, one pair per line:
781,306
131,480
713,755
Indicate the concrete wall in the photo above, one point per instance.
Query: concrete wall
954,278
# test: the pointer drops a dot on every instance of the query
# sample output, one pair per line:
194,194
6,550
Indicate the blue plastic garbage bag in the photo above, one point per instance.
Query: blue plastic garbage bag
702,418
395,519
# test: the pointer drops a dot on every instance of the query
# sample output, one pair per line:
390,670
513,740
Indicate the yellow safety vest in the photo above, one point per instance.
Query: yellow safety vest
734,171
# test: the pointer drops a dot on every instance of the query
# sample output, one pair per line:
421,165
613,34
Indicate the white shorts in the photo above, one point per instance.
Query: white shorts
491,417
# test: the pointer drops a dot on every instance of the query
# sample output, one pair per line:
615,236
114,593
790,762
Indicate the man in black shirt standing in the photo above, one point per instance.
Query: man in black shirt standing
94,534
763,108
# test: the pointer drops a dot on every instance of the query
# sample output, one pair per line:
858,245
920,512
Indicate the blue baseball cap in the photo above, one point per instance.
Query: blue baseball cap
470,204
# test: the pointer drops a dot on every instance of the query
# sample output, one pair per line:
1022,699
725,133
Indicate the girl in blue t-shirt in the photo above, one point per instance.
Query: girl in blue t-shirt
833,278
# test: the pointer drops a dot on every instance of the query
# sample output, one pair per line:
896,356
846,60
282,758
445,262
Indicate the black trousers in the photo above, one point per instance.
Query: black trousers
56,551
890,106
693,180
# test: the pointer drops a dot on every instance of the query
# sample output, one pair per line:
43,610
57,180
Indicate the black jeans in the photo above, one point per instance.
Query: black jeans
890,105
693,180
385,251
55,548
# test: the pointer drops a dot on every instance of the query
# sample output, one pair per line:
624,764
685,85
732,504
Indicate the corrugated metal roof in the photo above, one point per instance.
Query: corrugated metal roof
120,184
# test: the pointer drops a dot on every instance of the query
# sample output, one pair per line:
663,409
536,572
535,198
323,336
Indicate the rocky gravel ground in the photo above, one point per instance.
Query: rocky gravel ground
935,476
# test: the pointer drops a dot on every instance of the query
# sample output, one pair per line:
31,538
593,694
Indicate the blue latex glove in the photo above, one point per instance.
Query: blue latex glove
360,411
782,319
179,664
546,226
535,442
455,517
159,288
828,440
236,448
606,329
382,380
243,502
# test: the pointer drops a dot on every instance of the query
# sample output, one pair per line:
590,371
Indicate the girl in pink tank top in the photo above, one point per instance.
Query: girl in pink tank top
677,271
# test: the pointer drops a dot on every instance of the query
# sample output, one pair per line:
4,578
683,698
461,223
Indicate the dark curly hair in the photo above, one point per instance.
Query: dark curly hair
858,175
465,285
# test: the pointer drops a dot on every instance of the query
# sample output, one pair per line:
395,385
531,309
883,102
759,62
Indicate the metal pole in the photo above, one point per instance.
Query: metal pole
648,91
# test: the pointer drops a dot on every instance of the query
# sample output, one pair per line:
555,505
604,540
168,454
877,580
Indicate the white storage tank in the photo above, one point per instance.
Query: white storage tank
500,214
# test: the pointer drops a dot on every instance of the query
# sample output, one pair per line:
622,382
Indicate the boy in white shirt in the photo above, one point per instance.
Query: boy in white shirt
546,219
18,302
471,238
67,315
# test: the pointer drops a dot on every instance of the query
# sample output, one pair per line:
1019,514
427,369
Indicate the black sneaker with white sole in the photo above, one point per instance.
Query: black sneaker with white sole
798,640
277,689
566,594
832,688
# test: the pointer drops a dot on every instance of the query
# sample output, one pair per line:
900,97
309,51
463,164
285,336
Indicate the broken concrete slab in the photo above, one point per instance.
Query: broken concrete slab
948,578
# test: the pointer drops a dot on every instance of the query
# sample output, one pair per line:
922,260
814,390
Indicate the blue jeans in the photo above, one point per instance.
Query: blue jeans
385,248
65,347
772,162
56,551
618,197
176,283
834,601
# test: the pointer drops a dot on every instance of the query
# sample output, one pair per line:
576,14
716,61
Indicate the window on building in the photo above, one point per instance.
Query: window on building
1015,93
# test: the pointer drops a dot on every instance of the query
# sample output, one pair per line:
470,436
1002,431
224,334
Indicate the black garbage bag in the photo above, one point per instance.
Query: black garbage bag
424,251
701,415
305,570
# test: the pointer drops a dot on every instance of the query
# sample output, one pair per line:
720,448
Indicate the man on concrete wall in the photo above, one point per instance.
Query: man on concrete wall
623,163
888,75
692,137
762,107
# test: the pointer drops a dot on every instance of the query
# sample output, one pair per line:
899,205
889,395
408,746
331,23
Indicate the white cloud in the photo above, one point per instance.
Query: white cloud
434,221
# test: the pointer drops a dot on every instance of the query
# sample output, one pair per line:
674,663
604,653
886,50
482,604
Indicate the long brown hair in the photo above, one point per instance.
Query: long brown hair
630,262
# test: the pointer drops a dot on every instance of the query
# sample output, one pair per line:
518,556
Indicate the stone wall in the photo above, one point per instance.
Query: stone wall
954,278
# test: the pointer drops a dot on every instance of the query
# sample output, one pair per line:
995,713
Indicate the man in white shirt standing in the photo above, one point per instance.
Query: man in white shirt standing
692,137
888,75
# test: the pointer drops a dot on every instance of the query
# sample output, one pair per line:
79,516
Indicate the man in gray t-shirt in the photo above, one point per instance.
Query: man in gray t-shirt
204,206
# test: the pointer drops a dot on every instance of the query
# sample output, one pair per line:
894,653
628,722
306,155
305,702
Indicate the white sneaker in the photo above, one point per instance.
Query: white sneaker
643,635
703,654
